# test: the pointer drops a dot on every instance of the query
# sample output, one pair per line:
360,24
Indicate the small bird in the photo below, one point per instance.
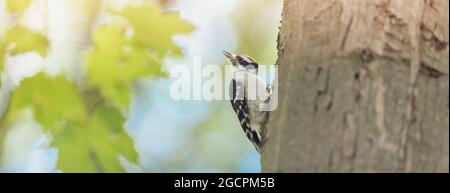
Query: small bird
244,83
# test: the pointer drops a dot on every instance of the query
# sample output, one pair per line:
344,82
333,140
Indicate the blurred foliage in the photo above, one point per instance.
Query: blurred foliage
52,99
18,40
257,29
121,57
22,39
87,141
146,35
16,5
87,121
94,144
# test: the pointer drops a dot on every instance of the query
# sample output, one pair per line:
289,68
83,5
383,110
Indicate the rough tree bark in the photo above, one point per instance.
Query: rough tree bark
363,87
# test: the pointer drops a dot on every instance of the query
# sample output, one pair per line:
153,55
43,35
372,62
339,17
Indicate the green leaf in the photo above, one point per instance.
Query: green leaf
17,5
53,100
87,142
95,145
114,64
154,29
118,58
22,39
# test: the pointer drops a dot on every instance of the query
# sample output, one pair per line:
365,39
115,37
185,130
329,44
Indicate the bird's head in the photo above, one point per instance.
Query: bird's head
242,62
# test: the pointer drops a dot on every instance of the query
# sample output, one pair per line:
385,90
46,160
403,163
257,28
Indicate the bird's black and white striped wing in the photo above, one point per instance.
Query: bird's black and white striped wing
240,106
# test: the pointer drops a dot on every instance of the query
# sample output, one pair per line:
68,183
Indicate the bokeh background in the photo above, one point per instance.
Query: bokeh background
85,84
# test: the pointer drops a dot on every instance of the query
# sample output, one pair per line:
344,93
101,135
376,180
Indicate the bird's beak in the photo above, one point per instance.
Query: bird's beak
229,56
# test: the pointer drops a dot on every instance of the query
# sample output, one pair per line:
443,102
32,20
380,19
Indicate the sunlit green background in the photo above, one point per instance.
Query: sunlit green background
85,84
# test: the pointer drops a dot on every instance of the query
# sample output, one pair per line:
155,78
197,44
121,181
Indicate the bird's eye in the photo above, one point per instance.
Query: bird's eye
241,60
245,60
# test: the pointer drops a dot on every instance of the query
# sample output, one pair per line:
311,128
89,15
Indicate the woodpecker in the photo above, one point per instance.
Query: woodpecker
248,95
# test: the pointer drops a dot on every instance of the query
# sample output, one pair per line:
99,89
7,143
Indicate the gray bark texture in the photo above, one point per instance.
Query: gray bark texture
363,87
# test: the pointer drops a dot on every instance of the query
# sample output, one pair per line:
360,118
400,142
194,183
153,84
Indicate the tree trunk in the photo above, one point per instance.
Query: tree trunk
363,87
